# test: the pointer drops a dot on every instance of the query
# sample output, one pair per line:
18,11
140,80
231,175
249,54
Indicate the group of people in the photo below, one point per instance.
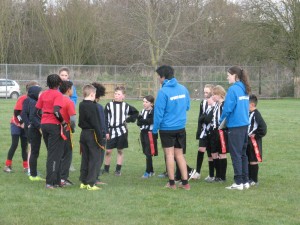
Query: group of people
226,123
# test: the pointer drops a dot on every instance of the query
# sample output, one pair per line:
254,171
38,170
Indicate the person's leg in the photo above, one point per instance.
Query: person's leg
35,150
245,171
24,147
93,160
120,157
108,154
12,149
169,152
180,159
66,158
200,156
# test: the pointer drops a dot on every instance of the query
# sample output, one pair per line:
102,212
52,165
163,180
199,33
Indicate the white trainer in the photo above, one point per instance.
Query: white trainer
209,179
196,176
246,185
235,186
191,174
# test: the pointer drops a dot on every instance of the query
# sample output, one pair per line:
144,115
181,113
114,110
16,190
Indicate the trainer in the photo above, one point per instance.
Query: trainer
170,108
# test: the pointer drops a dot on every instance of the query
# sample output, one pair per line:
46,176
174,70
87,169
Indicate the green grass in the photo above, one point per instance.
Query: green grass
131,200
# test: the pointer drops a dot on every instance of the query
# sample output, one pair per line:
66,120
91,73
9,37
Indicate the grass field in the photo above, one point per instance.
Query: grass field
131,200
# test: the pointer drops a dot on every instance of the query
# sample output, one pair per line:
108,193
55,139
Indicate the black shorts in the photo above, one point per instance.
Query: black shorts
203,142
119,142
215,141
146,143
251,153
173,138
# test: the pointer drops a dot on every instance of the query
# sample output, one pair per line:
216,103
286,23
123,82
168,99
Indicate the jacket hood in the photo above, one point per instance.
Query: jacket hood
34,92
170,83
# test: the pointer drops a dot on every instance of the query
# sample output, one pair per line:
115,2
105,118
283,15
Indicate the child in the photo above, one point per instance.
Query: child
218,151
34,132
117,114
50,102
69,115
145,122
201,131
18,132
90,139
257,129
64,74
100,92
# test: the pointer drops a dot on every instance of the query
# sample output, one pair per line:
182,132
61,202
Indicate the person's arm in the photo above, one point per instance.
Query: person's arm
133,114
34,117
159,110
74,95
229,105
73,123
17,114
261,130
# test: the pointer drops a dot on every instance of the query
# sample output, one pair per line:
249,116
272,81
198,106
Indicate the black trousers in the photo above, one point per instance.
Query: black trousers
90,157
35,138
14,146
55,149
67,157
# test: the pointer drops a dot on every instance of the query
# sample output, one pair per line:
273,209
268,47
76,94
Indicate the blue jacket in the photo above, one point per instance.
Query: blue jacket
172,102
236,106
74,96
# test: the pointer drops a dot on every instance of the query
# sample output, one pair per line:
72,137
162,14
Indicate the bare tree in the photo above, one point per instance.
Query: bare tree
280,22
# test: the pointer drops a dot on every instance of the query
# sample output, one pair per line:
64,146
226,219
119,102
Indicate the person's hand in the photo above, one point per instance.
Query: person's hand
107,137
155,136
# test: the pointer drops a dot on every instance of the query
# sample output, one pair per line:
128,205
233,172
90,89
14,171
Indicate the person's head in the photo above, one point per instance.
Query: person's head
236,73
208,90
165,72
252,102
64,73
31,84
89,92
148,102
119,94
66,87
210,100
53,81
218,93
100,90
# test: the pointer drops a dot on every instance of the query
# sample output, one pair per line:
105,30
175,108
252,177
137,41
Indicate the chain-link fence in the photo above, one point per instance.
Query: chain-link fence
139,80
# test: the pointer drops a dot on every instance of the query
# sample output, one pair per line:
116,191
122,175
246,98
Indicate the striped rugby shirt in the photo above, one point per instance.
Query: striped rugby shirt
117,114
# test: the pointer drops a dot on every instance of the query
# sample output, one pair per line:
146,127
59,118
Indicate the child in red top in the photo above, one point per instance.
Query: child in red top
69,115
50,102
18,132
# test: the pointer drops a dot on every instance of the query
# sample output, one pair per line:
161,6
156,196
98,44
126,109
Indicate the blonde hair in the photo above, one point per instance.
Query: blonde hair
87,90
219,90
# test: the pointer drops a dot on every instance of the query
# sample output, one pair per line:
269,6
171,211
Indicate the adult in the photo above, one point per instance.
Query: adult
236,113
170,108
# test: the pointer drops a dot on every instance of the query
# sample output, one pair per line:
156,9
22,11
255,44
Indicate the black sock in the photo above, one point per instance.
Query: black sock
149,167
172,182
254,172
211,168
223,168
249,172
118,167
217,167
106,168
200,156
184,182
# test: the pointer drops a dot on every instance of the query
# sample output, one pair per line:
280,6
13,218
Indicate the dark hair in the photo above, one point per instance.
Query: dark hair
149,98
165,71
64,69
120,88
253,99
100,89
65,86
241,75
53,81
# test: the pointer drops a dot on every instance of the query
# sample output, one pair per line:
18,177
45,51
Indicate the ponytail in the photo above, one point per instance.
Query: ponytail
241,75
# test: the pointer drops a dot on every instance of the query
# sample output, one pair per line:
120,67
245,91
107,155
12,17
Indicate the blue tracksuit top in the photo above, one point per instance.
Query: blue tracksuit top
236,106
172,102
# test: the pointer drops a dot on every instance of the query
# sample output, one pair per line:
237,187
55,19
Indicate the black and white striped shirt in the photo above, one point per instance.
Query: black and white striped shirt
145,120
117,114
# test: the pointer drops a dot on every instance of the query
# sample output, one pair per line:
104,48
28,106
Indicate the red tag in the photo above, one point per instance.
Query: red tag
223,143
63,136
255,147
152,149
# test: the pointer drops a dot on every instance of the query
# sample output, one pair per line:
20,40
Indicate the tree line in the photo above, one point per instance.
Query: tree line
151,32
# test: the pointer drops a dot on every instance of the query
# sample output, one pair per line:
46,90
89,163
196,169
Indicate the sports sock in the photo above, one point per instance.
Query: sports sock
118,167
106,168
200,156
25,164
254,172
223,168
217,167
8,162
211,168
149,166
172,182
